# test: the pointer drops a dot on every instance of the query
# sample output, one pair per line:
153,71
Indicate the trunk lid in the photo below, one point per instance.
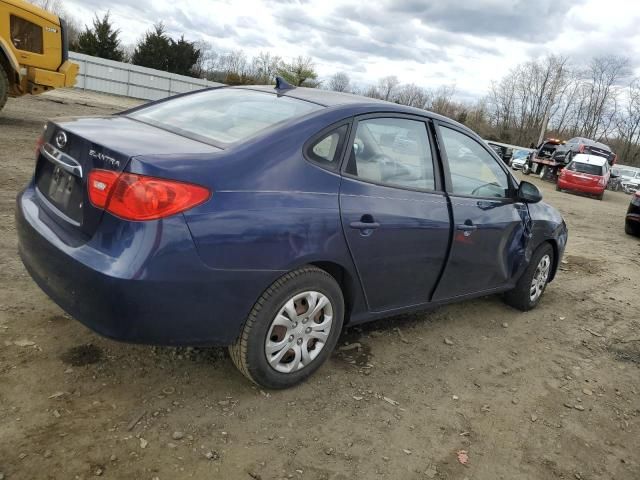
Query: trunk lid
71,148
582,178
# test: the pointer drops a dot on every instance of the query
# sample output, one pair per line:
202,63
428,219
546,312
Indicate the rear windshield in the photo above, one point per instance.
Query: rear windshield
585,168
223,115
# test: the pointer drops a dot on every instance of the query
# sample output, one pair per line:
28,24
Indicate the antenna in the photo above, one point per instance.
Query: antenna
282,84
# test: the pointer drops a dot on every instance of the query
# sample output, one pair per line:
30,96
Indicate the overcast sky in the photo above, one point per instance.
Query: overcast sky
428,42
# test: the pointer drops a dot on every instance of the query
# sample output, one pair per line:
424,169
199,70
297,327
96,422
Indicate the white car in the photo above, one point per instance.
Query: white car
519,158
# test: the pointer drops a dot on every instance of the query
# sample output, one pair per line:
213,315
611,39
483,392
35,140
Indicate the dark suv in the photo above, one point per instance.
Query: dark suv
564,153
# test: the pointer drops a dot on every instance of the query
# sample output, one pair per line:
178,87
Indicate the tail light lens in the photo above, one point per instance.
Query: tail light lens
138,197
581,148
602,182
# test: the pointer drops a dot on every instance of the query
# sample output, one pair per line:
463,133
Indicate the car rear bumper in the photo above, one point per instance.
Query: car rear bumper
577,187
155,291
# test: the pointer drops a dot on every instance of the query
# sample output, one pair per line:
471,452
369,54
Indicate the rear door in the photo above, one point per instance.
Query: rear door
491,228
394,212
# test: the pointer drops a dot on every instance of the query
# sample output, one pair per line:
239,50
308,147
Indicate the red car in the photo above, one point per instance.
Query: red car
585,174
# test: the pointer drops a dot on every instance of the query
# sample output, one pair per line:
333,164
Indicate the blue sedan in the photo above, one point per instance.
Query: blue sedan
265,219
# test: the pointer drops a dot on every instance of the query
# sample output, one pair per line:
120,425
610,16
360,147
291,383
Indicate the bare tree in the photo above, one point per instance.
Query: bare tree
339,82
387,87
413,96
265,67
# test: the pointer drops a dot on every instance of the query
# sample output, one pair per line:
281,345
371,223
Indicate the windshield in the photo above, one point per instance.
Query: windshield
520,154
223,115
585,168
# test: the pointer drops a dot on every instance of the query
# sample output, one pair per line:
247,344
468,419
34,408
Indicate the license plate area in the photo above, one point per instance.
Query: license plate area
60,188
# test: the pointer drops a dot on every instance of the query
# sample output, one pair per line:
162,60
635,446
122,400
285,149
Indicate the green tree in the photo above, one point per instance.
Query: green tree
153,50
299,72
183,57
157,50
101,40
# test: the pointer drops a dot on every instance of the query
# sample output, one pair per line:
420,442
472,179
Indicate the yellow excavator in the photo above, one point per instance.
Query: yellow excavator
34,51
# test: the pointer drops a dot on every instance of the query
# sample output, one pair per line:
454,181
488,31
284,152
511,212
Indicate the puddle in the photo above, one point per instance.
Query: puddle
82,355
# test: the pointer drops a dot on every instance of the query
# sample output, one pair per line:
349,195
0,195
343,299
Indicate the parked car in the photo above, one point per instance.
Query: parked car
266,219
631,183
585,174
632,220
519,158
564,153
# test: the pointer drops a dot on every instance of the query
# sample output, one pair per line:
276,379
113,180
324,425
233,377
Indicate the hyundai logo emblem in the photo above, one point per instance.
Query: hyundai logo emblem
61,139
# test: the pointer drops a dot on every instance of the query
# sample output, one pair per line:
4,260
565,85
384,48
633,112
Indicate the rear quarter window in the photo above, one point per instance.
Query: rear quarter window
326,149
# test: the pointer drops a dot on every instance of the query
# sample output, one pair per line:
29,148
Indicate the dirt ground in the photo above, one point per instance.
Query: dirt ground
553,393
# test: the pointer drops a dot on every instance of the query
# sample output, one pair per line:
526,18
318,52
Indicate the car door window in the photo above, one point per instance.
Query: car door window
473,170
393,151
25,35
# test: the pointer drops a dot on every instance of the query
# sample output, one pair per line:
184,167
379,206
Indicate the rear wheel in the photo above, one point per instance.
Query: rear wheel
4,87
601,196
291,330
529,289
630,229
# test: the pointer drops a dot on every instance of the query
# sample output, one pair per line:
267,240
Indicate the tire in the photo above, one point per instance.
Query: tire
558,189
526,169
521,296
631,230
269,323
543,172
600,197
4,87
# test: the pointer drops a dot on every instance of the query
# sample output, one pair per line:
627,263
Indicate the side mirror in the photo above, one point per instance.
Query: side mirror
529,193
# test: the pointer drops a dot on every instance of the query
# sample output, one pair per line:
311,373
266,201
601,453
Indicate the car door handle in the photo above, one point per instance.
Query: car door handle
466,227
364,225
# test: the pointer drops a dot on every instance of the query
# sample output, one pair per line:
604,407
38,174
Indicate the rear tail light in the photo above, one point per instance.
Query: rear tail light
138,197
602,182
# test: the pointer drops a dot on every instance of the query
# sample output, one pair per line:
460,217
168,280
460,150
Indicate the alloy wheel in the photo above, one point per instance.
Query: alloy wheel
540,278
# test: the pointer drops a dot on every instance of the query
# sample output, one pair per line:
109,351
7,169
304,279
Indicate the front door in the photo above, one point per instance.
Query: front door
491,229
394,214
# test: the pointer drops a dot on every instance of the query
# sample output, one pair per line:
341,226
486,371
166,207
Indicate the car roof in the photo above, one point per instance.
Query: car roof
329,98
590,159
326,98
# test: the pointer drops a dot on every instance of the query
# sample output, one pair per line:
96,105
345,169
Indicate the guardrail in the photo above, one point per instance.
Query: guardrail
118,78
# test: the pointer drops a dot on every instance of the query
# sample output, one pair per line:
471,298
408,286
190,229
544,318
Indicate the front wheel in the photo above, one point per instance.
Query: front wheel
528,291
291,330
526,169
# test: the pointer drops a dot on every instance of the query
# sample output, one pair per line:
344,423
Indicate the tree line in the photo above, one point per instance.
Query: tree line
595,98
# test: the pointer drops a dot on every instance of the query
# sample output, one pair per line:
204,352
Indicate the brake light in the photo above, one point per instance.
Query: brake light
602,182
581,148
138,197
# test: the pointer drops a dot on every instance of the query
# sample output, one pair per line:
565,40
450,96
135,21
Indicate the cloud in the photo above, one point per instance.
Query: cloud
430,43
